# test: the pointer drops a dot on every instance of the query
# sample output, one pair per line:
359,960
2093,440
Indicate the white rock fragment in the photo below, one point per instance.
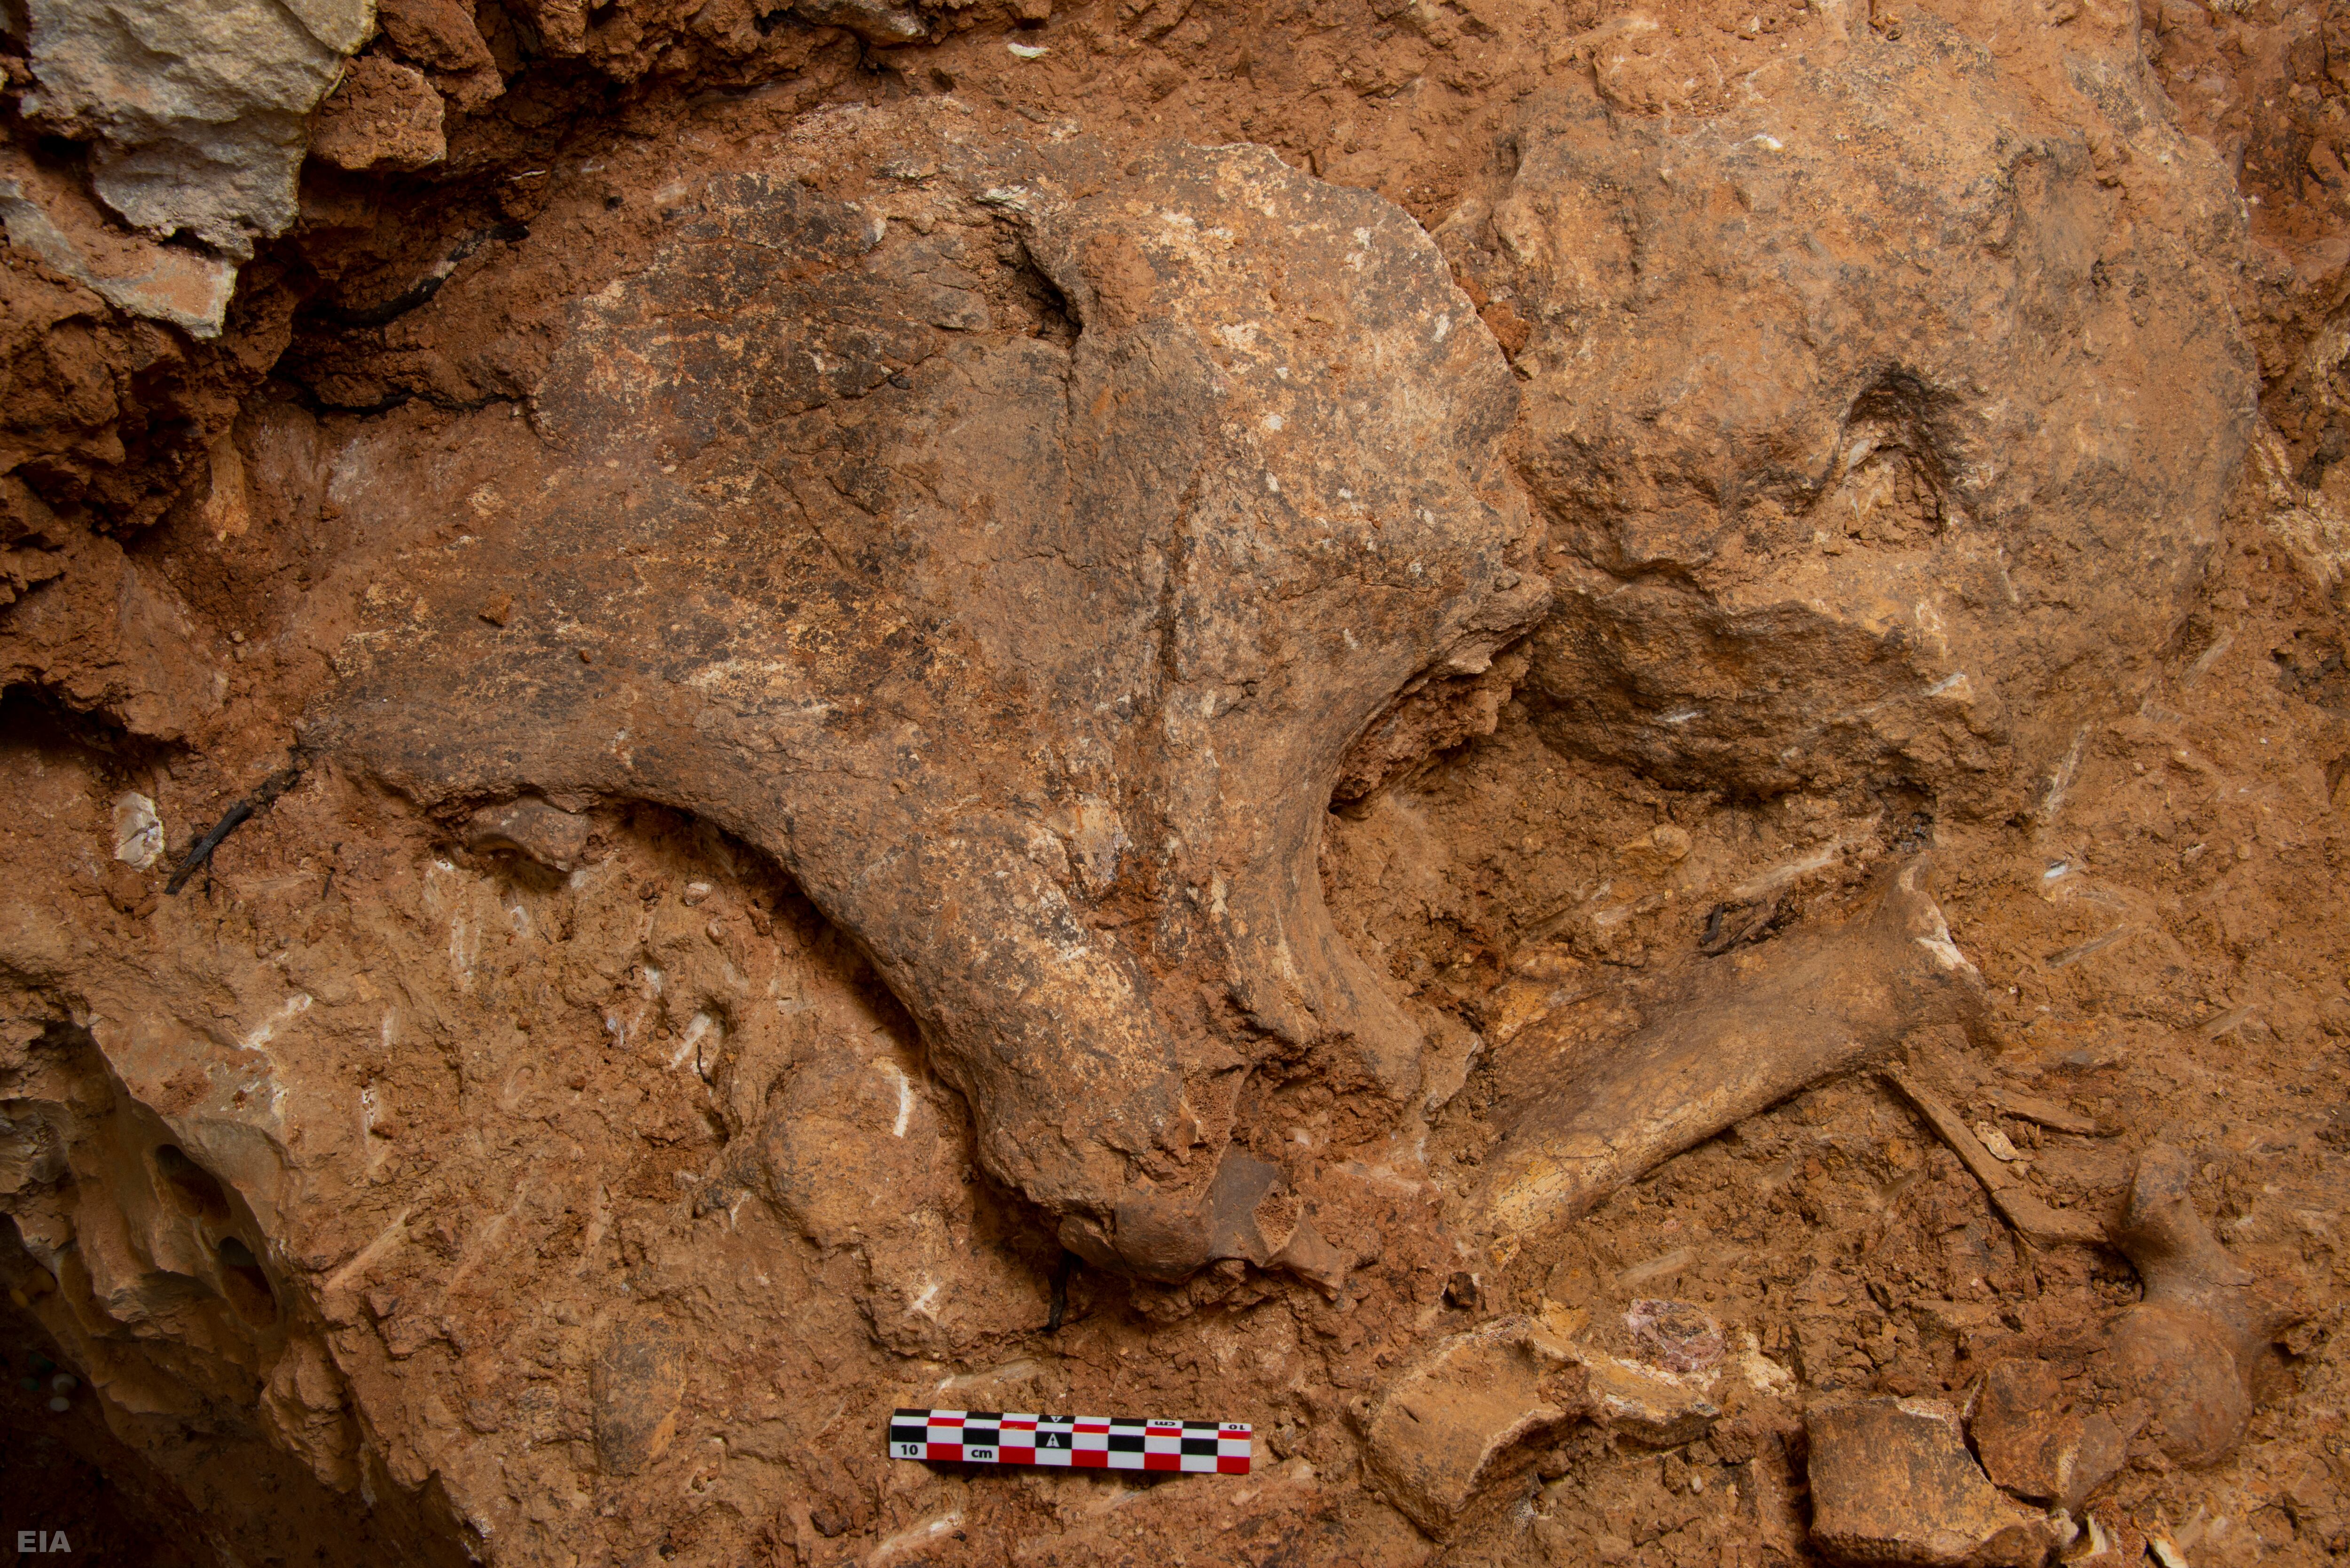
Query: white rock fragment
138,830
199,113
46,217
1764,1375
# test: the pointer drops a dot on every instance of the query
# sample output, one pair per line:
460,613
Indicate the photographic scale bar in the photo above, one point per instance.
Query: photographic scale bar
1078,1442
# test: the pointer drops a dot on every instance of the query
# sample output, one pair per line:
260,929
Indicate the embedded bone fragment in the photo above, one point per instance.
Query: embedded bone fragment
2023,1208
534,829
636,1383
1463,1418
2182,1358
1648,1404
1736,1033
1036,665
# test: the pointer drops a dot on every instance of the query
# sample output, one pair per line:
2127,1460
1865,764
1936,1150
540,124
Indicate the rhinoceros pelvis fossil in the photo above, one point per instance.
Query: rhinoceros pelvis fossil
1033,662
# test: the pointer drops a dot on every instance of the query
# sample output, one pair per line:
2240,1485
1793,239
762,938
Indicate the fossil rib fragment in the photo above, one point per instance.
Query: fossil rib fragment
1035,663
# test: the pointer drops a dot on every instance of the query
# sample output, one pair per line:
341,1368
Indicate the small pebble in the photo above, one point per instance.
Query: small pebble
61,1404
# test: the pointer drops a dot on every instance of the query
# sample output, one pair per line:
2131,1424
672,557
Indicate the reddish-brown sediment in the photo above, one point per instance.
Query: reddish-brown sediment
892,692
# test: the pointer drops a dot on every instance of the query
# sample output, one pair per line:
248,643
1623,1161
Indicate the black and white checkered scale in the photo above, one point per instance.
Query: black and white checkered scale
1079,1442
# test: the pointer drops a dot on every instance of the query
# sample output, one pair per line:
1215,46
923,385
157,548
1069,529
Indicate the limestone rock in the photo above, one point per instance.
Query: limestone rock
382,115
49,219
307,1405
1462,1418
149,1239
1885,417
1892,1482
991,635
198,113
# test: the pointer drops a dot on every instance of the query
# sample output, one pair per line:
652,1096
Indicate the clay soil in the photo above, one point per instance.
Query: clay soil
2161,934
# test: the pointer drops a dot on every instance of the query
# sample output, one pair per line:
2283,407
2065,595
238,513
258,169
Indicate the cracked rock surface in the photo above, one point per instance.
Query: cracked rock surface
1888,415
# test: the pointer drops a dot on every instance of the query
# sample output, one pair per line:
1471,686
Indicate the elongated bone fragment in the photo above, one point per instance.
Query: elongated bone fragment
1738,1035
2023,1208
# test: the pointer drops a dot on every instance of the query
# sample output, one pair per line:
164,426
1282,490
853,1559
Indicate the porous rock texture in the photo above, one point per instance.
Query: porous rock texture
1887,414
1560,745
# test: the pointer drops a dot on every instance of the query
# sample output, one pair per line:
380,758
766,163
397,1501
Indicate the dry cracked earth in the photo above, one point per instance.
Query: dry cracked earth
1595,755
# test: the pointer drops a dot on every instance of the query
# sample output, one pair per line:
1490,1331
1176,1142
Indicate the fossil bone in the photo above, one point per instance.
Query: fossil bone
1035,664
2182,1361
1736,1034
